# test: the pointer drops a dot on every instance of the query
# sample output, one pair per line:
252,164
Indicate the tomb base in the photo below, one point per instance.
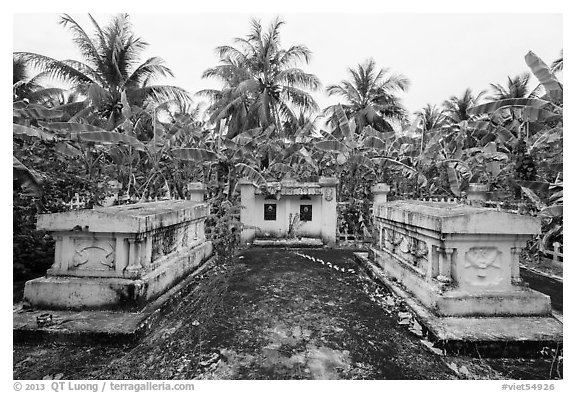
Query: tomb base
59,292
102,327
485,336
443,300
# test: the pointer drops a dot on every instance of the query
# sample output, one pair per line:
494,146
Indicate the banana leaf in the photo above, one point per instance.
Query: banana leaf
373,142
493,106
28,178
37,113
544,75
107,138
65,128
343,121
194,154
251,173
19,129
67,150
331,146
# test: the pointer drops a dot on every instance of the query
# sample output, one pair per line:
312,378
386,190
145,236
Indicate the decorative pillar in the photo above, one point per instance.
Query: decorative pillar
134,253
57,265
196,191
515,266
328,209
248,211
434,264
445,264
122,255
380,192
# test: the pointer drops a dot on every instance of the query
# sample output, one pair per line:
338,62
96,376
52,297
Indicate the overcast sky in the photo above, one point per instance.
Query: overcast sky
441,54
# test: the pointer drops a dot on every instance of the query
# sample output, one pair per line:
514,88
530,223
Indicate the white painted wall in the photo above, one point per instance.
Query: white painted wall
285,206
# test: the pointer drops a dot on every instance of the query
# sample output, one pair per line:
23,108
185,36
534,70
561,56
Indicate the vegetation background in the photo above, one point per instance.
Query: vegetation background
113,135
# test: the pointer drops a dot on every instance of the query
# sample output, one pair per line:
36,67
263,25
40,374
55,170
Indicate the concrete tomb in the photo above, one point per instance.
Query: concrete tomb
458,260
120,257
458,268
288,208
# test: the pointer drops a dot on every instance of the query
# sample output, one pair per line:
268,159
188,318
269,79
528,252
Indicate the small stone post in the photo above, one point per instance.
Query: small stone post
477,194
380,192
196,191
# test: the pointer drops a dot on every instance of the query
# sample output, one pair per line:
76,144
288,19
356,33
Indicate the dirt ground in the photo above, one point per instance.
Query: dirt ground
278,314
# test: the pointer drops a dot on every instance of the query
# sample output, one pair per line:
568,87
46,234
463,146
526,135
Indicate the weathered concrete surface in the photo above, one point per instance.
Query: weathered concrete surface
136,218
274,314
487,335
121,256
458,260
445,217
77,293
288,196
380,193
291,243
99,326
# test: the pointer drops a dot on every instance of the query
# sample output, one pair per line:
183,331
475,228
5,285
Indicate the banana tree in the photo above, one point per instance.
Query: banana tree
363,157
534,134
75,141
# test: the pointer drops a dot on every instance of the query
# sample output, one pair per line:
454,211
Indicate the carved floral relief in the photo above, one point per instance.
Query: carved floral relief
483,266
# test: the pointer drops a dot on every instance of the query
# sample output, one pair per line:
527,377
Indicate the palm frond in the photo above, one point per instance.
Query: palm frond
301,99
55,68
147,71
87,48
297,77
158,93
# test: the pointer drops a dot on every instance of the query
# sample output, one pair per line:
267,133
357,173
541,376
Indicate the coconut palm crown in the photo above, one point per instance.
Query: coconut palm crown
456,108
432,117
370,97
29,88
516,87
110,68
262,84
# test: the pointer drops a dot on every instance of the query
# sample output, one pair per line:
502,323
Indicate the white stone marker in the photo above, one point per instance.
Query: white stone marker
120,256
458,260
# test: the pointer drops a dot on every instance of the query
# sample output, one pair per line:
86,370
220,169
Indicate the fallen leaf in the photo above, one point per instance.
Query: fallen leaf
465,371
416,328
431,347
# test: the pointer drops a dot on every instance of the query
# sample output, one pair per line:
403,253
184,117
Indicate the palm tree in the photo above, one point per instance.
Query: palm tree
517,87
432,117
111,68
26,88
262,84
370,96
558,64
456,108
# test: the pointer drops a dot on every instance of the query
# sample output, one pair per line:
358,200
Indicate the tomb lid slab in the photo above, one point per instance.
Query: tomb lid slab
135,218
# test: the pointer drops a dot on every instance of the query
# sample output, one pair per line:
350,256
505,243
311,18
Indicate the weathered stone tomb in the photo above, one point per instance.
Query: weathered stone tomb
458,260
121,256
